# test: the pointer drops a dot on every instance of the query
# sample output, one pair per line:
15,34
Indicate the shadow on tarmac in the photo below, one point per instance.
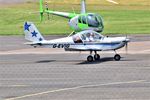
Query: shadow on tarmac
81,62
102,60
45,61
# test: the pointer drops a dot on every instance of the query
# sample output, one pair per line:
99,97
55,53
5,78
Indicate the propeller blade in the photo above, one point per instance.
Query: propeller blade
112,1
126,47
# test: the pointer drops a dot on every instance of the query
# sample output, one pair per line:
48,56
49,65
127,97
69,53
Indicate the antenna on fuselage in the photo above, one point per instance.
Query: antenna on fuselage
83,7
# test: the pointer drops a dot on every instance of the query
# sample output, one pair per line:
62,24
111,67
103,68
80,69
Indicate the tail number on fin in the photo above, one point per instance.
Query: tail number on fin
61,45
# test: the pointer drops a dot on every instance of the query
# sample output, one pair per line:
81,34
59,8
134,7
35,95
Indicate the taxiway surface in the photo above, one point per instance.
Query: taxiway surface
47,74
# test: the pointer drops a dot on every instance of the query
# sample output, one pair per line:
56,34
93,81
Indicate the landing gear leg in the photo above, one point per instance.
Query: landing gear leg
117,57
96,56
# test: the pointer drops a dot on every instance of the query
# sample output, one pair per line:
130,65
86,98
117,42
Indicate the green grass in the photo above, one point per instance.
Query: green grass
132,18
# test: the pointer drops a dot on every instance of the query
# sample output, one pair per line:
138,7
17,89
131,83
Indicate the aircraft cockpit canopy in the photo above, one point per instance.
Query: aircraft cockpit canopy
92,20
87,36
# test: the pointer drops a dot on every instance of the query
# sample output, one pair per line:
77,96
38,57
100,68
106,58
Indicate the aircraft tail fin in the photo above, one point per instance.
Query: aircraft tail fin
32,33
83,7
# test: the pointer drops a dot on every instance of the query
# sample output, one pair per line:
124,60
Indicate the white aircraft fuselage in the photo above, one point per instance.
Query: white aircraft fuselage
103,44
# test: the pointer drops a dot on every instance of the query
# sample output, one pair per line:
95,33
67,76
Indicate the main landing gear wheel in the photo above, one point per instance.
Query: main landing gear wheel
90,58
97,57
117,57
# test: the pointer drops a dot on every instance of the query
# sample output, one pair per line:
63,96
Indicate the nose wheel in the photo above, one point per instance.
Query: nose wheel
117,57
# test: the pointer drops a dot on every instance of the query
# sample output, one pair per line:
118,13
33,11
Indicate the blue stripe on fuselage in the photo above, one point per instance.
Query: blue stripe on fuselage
115,43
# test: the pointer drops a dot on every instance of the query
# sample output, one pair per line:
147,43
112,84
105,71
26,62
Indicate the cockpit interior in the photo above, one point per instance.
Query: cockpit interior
87,36
93,20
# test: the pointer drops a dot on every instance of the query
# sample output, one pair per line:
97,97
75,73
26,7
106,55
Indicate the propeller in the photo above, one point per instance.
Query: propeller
126,45
49,1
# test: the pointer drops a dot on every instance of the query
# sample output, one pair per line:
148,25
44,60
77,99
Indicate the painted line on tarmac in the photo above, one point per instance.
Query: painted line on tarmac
74,88
14,86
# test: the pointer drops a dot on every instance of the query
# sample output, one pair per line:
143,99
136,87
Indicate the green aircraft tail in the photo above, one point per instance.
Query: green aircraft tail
57,13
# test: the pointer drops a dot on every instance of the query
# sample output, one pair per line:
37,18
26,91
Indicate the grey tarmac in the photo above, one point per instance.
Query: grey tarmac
47,74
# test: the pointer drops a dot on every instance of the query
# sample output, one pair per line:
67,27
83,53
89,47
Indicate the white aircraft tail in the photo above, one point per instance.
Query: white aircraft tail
83,7
32,33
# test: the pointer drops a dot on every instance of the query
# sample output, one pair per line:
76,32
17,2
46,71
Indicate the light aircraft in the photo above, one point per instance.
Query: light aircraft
87,40
78,22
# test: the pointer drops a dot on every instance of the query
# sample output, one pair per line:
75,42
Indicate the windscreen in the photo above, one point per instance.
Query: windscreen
90,36
93,20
